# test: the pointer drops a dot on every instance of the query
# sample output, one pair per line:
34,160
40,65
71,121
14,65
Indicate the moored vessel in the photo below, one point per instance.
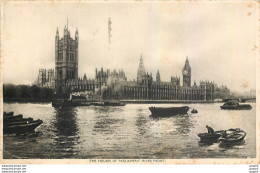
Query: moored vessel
17,124
168,111
231,105
108,103
233,136
98,103
207,137
7,119
113,103
194,111
69,103
22,127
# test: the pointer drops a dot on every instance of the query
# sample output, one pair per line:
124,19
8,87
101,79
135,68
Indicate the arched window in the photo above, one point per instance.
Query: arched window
72,74
72,57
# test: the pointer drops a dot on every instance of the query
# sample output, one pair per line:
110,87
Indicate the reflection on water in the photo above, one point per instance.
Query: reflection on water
107,109
183,124
238,145
66,132
127,132
104,123
205,144
141,122
65,122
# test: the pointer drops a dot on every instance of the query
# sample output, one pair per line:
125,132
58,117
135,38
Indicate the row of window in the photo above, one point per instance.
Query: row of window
167,88
164,92
159,96
69,75
82,87
70,56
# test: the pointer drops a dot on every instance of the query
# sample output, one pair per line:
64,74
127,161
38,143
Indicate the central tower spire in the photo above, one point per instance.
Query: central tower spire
186,73
67,22
66,59
158,78
140,70
141,64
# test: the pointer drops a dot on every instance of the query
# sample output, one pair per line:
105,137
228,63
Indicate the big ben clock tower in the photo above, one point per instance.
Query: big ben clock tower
186,73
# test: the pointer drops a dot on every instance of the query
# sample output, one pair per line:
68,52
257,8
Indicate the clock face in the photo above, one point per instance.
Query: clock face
185,72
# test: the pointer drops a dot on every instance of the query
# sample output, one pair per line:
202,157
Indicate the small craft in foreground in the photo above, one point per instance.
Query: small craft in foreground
24,127
207,137
232,136
17,124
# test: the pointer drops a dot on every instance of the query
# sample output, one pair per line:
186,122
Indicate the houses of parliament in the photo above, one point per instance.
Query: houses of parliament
114,84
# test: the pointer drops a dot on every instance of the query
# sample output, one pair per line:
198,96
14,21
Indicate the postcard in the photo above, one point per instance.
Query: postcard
150,82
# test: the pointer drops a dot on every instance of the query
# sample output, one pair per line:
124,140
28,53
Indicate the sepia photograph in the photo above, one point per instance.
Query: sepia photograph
131,80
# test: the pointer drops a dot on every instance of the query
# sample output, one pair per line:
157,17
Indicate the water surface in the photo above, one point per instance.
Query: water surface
127,133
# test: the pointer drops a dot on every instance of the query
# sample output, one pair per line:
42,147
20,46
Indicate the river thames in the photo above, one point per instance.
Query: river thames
127,132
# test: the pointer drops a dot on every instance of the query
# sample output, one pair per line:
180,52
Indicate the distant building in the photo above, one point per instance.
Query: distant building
221,92
46,78
41,77
252,93
175,81
104,84
114,85
186,73
66,59
147,89
248,95
158,77
140,71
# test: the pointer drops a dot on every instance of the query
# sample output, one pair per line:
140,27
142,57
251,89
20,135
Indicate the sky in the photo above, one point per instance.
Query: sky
219,39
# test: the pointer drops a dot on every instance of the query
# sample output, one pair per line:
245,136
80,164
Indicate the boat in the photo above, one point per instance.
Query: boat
108,103
84,104
62,103
168,111
18,120
22,127
233,136
113,103
231,105
69,103
194,111
12,118
206,137
78,102
17,124
98,103
6,114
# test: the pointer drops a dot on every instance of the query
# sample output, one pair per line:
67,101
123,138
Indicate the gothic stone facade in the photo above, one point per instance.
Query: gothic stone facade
114,85
46,78
147,89
66,59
